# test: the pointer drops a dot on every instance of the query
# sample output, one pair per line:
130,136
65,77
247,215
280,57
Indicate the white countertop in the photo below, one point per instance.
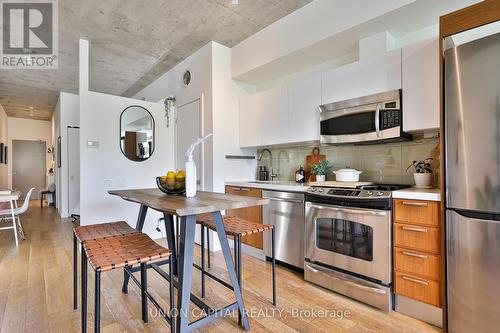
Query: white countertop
432,194
274,186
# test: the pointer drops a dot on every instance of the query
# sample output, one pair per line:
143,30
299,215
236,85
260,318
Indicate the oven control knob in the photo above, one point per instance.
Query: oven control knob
313,189
320,190
380,193
369,193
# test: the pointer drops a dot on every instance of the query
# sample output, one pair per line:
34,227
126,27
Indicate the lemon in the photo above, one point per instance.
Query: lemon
171,175
181,174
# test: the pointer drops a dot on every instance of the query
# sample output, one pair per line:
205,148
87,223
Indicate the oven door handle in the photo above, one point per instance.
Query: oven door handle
350,211
351,283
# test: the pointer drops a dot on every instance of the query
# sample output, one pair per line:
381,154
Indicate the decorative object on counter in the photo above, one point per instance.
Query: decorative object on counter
316,157
321,169
191,167
263,173
423,173
347,175
172,182
300,175
169,108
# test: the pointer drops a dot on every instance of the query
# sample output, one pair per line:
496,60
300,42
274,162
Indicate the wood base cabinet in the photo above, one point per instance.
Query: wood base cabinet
418,268
252,214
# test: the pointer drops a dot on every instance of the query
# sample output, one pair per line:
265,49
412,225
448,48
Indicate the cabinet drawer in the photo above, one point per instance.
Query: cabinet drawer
416,212
419,263
252,214
245,191
417,237
420,289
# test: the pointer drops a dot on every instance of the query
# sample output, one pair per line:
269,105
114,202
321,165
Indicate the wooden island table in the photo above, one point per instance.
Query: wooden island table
187,209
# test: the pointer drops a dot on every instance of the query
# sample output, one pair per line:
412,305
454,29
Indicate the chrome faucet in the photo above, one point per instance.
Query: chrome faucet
272,175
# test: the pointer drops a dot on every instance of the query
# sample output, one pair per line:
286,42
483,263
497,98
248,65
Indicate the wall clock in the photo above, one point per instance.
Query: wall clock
186,78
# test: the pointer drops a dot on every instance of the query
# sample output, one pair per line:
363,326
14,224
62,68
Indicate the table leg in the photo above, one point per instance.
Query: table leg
219,226
138,226
169,228
186,250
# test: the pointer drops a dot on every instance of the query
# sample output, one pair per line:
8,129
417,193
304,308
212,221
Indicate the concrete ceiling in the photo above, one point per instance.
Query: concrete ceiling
132,43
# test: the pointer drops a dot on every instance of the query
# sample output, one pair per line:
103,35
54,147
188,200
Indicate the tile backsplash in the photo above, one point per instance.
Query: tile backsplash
380,163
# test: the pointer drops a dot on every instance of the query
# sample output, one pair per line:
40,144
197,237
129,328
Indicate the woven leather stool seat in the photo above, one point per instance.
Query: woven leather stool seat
235,226
110,229
105,254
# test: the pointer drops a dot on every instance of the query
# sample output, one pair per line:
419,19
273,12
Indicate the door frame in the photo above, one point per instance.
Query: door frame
68,128
45,169
201,167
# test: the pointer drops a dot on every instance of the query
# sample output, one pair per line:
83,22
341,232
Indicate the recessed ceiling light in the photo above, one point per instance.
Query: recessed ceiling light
31,108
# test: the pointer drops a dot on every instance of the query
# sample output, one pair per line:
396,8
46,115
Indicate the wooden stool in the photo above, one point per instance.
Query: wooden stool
105,254
237,228
81,234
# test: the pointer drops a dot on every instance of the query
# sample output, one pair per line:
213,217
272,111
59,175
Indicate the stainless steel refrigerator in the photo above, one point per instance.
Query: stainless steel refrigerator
472,176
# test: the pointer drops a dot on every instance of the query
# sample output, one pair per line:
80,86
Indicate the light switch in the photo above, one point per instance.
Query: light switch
92,144
108,183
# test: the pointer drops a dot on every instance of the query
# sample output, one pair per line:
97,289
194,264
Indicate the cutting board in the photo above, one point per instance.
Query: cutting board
313,159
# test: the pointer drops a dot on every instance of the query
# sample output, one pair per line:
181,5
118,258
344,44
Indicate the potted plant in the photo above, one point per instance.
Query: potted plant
320,169
423,173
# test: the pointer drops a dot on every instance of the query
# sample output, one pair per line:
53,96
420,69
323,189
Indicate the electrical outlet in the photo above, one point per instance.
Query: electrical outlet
108,183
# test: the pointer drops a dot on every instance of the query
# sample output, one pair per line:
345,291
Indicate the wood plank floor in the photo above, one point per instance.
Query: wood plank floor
36,293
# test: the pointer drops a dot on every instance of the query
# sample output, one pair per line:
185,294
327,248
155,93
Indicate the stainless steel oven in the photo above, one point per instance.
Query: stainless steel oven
367,119
348,243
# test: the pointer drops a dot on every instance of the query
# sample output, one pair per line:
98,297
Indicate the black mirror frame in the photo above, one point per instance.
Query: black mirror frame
120,132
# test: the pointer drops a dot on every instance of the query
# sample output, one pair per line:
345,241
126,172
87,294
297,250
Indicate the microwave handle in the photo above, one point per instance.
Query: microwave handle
377,120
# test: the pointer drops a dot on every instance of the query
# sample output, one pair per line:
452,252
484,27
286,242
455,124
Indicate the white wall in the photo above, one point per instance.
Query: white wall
226,93
66,114
105,168
4,180
200,65
28,129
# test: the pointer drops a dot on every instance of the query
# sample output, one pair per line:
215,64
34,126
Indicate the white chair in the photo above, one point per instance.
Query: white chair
6,214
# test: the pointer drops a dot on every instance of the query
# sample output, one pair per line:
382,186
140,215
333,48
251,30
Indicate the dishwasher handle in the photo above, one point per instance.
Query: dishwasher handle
284,200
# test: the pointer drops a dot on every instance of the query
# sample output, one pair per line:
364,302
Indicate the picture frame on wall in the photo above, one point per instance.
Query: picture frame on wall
1,152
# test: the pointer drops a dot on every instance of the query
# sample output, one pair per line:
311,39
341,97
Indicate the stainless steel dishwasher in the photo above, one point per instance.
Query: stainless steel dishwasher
286,213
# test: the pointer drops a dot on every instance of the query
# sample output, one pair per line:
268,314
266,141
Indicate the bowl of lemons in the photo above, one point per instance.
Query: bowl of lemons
172,183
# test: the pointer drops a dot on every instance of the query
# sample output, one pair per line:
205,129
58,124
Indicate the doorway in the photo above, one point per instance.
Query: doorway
29,166
188,130
73,170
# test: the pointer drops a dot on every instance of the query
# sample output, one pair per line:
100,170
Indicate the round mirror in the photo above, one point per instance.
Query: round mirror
137,133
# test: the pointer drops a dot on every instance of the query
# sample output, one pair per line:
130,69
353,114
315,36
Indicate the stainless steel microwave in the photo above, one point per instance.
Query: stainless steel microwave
369,119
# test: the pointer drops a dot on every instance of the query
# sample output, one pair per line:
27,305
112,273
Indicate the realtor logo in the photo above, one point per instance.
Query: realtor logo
29,34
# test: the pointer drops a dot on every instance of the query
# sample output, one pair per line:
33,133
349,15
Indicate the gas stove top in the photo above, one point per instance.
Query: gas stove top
376,191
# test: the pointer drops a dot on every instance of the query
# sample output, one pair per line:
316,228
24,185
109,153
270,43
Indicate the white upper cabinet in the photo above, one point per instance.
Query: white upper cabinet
421,85
274,115
365,77
304,97
250,120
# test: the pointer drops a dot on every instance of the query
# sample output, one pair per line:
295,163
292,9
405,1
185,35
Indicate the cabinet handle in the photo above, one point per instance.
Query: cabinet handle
407,278
411,254
411,203
424,230
240,189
